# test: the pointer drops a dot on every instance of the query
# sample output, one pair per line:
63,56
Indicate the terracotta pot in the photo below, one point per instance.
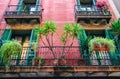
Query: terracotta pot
62,62
36,62
97,48
107,48
103,48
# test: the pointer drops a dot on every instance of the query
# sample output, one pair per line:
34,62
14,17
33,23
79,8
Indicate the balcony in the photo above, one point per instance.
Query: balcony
15,14
81,14
77,63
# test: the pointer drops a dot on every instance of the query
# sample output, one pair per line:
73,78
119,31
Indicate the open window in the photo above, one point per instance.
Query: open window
28,6
22,36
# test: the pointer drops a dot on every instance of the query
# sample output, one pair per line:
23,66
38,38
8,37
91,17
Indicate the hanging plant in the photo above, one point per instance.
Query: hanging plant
9,49
101,44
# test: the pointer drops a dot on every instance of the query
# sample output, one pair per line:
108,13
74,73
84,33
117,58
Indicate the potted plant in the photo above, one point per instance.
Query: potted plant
102,6
9,49
101,44
47,31
70,32
38,61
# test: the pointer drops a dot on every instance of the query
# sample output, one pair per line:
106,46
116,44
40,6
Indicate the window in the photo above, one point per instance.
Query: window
29,8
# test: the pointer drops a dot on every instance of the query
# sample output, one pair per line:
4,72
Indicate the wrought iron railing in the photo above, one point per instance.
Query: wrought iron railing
80,12
73,58
19,10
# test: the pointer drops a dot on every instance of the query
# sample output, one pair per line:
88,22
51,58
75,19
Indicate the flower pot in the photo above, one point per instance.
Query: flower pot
107,48
38,62
62,62
97,49
102,48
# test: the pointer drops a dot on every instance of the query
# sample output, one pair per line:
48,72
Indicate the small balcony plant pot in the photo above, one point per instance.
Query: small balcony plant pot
105,48
102,48
38,61
97,48
62,62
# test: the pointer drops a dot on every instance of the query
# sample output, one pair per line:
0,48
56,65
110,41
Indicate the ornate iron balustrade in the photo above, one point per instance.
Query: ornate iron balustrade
80,12
70,62
26,63
13,10
72,58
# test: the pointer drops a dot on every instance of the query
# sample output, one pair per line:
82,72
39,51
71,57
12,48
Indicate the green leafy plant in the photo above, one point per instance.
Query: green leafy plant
101,41
9,49
38,61
102,6
47,31
71,31
86,41
116,26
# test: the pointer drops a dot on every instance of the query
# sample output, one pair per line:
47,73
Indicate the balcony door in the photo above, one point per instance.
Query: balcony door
85,7
28,8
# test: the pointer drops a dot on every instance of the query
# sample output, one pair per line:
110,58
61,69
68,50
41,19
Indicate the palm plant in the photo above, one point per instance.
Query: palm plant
47,31
9,49
70,31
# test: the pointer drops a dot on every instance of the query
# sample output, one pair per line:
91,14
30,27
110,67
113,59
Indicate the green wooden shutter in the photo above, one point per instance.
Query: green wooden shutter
33,38
109,35
6,34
